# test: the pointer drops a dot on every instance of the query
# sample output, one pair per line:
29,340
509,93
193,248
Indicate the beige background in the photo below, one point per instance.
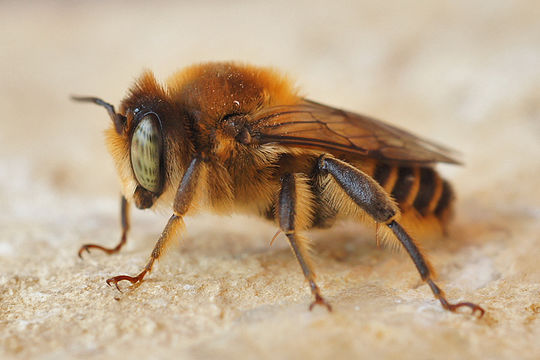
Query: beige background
462,73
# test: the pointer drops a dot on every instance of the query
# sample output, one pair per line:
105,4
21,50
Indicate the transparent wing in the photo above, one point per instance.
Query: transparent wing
318,126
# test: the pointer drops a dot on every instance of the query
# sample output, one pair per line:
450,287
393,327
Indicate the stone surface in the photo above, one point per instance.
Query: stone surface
463,74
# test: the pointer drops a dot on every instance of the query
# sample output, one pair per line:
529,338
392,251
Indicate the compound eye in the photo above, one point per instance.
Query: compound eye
146,147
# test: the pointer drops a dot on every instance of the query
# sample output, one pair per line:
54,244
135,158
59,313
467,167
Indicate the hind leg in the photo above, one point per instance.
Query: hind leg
375,201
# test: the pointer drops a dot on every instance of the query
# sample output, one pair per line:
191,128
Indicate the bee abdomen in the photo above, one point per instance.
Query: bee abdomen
429,181
420,188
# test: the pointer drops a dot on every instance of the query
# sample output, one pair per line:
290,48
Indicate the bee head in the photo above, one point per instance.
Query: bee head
144,156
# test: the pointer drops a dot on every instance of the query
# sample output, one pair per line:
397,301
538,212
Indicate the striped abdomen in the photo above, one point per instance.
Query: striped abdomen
420,188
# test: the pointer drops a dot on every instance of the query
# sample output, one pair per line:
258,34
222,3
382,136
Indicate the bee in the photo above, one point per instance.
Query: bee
233,138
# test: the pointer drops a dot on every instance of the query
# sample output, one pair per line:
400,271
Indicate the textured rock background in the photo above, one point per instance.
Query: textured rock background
465,74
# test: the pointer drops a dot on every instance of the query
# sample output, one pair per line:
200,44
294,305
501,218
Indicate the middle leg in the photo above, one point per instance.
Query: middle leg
292,212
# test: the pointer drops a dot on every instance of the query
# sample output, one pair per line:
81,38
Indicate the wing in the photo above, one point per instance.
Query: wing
312,125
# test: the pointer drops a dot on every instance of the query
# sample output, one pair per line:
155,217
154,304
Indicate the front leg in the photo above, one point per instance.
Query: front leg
182,201
374,200
290,214
124,216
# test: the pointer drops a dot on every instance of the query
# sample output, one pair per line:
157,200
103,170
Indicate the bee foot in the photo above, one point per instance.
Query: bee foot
132,279
320,301
87,247
475,308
